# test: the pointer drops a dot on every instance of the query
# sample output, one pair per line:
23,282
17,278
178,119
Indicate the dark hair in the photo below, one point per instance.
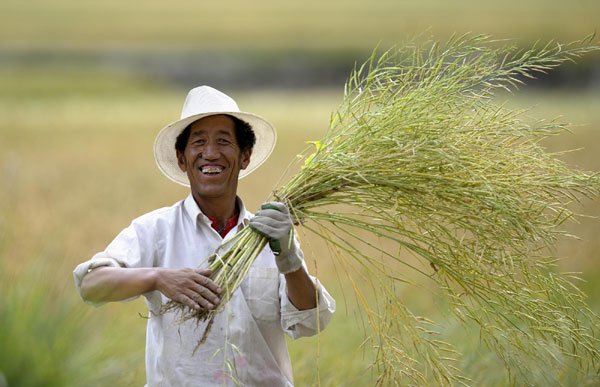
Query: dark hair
244,135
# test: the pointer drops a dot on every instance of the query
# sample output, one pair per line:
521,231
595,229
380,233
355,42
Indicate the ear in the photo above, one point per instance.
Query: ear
181,161
245,160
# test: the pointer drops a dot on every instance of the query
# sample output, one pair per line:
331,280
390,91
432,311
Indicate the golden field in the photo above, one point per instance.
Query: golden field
76,161
77,166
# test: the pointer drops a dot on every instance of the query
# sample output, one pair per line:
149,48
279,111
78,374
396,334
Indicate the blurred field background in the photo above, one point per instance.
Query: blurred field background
85,87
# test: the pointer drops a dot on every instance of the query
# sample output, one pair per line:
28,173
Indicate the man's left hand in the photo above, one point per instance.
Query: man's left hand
273,221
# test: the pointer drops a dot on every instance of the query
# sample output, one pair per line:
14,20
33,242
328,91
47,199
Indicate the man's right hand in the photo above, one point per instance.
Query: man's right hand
191,287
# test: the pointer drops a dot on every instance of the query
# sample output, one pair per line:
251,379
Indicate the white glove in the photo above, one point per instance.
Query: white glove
274,222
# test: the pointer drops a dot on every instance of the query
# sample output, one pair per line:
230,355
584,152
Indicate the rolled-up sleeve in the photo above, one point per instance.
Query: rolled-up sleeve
123,251
82,269
301,323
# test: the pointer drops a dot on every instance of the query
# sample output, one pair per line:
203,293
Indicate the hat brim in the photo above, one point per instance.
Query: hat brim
166,157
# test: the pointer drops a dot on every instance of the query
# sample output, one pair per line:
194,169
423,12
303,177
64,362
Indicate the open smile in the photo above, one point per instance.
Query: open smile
211,170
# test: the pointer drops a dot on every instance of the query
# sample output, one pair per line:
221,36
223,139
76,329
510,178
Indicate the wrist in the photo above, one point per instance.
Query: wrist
290,261
155,278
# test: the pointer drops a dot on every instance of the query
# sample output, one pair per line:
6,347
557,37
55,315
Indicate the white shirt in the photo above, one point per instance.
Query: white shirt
248,334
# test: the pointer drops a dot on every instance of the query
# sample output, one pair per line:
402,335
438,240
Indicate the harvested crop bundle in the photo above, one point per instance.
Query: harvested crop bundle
418,154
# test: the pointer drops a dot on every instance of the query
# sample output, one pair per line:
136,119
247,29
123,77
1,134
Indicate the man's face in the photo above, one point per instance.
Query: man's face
212,158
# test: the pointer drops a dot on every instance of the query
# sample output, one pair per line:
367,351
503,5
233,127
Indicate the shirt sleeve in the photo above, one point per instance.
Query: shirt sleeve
123,251
301,323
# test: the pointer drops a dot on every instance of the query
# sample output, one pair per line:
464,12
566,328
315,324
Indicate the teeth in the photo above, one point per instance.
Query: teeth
211,169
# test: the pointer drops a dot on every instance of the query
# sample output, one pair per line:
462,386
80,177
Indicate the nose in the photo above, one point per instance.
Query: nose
210,151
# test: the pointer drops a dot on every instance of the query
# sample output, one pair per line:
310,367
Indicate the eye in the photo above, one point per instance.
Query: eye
224,141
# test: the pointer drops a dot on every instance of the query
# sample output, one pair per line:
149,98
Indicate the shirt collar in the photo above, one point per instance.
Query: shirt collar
191,207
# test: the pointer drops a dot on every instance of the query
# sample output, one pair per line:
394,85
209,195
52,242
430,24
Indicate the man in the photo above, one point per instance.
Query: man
162,254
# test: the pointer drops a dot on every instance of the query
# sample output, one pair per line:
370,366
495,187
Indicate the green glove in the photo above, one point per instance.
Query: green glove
273,221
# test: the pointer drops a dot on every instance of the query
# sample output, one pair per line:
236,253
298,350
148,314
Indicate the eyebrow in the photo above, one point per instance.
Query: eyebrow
203,131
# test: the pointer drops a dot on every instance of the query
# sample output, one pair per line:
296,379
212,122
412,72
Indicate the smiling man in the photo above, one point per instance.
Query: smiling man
208,151
161,256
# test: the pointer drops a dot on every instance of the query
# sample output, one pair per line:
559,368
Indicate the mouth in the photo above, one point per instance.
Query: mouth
211,170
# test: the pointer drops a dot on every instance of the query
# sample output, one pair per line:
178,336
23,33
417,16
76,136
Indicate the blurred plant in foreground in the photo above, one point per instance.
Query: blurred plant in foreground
48,337
419,155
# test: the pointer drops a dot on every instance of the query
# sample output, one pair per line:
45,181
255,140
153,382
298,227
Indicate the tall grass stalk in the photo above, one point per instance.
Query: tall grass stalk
420,155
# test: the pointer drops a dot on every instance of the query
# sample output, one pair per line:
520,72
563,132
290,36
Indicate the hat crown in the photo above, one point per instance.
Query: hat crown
205,99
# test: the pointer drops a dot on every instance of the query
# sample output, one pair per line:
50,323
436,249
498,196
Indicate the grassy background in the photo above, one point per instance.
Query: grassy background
331,24
76,160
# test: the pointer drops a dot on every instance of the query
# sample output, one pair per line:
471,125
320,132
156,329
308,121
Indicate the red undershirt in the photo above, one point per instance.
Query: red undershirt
231,223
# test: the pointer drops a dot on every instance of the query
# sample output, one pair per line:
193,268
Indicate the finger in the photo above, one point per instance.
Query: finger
274,218
205,293
272,214
278,206
204,272
185,300
206,282
264,229
200,299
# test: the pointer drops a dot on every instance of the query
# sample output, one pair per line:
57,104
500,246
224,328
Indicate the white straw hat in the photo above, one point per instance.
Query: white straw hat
201,102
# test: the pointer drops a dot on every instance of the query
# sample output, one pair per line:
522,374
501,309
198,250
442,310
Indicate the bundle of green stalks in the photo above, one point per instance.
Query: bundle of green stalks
420,157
